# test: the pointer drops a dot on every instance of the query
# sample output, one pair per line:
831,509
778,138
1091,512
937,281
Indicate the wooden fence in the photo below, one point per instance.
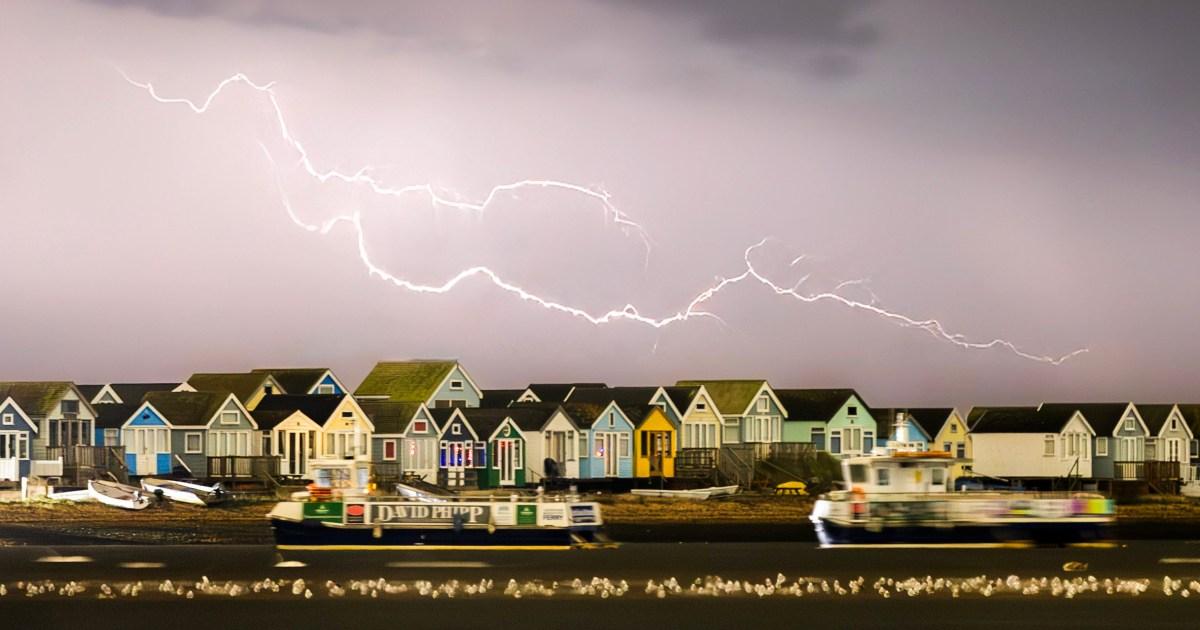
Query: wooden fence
243,467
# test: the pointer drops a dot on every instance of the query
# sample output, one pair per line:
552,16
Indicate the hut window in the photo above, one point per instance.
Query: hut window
624,445
939,476
1174,424
700,406
583,448
883,477
1048,446
325,389
229,417
1130,423
456,386
8,419
111,437
612,421
645,444
347,414
835,442
954,427
868,441
456,429
818,438
946,447
389,449
764,405
1102,447
268,390
420,426
192,443
851,410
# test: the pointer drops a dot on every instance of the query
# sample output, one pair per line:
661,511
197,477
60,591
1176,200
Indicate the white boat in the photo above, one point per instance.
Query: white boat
71,495
698,494
118,495
184,492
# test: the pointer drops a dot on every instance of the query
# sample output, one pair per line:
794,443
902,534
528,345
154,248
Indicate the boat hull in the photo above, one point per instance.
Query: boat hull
1035,532
317,535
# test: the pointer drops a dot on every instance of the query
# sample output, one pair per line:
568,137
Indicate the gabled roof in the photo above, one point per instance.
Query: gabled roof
318,407
682,396
584,414
621,395
732,397
496,398
90,390
187,408
930,419
976,413
557,392
114,415
296,380
814,405
36,398
391,417
526,418
240,384
1103,417
1154,415
414,381
268,420
637,414
129,393
1022,419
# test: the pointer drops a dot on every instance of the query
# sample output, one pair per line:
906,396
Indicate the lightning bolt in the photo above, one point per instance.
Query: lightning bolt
629,312
363,176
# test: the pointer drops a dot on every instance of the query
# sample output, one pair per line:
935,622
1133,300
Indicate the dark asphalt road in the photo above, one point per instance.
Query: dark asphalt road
635,563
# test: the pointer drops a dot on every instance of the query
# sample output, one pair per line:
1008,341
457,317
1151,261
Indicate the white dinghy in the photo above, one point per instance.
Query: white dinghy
698,494
70,495
118,495
184,492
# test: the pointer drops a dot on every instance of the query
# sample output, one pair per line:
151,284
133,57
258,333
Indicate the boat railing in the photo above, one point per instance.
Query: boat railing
973,495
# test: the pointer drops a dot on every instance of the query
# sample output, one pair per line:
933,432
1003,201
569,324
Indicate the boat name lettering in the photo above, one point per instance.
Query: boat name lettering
402,513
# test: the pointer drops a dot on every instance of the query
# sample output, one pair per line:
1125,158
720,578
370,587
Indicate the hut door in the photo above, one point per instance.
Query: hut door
611,460
658,449
506,456
296,452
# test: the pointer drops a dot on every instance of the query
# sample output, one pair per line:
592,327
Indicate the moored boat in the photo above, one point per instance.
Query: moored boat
333,519
184,492
899,497
118,495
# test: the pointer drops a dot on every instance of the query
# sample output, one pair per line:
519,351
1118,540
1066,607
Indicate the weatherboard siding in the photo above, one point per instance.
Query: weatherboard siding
467,395
329,380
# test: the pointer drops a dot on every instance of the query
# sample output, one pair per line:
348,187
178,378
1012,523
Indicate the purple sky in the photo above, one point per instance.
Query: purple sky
1017,170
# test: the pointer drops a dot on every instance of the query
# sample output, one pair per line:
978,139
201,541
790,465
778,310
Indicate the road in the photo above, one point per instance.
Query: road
326,574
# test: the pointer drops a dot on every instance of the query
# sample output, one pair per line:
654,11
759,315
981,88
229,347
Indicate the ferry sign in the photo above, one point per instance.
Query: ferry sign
410,513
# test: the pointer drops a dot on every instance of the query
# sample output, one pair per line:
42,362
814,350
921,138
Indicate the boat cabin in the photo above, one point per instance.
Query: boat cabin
912,472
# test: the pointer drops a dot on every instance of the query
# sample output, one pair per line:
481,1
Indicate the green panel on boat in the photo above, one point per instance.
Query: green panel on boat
526,514
323,511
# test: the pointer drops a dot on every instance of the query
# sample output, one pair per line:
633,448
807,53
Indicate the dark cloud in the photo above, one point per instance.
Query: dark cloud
807,23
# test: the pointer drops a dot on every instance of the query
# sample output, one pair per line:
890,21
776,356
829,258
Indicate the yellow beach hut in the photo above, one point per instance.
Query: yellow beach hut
654,441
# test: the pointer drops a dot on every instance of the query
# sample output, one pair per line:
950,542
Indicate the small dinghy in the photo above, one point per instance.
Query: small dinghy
70,495
184,492
118,495
698,494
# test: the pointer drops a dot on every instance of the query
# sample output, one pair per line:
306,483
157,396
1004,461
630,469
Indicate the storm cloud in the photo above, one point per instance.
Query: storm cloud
1017,170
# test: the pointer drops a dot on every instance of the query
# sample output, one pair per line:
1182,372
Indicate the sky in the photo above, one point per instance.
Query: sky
1021,171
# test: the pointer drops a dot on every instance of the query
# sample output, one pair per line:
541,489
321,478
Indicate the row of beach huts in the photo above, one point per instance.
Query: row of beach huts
429,420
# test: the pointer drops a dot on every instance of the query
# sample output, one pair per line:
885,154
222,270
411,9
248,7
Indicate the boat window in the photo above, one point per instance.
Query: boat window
882,477
858,473
939,476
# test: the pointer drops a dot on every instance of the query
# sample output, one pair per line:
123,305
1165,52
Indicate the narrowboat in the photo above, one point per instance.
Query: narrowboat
900,497
338,516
